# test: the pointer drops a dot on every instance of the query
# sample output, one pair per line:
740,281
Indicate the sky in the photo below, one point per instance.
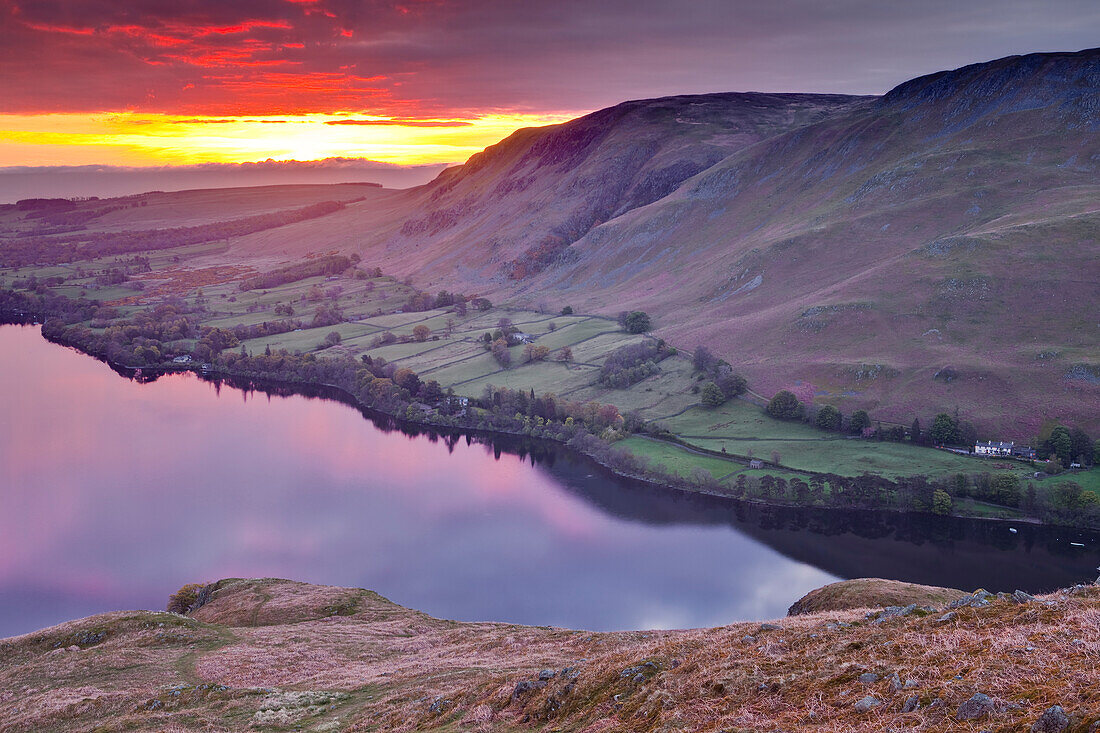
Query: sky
177,82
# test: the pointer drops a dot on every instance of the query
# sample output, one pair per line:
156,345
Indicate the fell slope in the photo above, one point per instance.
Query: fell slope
930,249
935,249
277,655
938,249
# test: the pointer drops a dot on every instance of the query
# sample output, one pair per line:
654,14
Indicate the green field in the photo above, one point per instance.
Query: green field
741,427
455,355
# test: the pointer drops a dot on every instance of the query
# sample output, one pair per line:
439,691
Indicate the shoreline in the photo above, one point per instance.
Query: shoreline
376,415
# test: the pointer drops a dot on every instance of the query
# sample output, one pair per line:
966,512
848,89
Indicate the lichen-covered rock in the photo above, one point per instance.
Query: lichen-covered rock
1053,720
979,705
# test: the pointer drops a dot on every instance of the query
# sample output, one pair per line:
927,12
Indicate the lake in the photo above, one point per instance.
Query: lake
114,492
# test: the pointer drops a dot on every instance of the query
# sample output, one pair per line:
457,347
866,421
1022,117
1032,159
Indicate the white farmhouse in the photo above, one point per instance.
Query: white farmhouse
993,448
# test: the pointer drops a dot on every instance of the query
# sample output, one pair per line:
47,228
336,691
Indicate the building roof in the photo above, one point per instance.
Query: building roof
995,444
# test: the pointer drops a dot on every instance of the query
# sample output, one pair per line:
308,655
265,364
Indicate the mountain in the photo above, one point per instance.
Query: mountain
934,249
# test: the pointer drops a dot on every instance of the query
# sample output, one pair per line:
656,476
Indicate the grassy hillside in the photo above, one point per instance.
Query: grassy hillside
274,655
928,250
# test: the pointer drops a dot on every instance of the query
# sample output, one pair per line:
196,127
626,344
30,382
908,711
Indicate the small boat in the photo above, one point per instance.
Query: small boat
1078,544
1012,530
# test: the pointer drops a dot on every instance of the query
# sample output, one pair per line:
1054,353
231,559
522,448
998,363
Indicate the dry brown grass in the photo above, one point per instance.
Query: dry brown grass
277,655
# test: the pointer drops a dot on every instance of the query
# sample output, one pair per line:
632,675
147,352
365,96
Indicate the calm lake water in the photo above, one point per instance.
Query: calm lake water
113,493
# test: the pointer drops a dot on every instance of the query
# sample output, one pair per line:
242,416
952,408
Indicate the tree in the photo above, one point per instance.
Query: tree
531,352
482,304
944,430
407,379
1060,444
785,406
635,321
711,395
421,332
914,431
499,348
703,359
776,457
565,354
941,502
1081,450
858,422
331,339
430,391
567,310
1005,489
828,418
731,383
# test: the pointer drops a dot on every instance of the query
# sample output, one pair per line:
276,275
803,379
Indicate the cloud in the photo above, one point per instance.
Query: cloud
407,122
438,59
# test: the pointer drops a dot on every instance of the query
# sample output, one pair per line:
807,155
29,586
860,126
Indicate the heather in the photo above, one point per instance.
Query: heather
278,655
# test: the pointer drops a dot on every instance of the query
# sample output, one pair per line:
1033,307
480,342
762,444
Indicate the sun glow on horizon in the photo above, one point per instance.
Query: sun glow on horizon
133,139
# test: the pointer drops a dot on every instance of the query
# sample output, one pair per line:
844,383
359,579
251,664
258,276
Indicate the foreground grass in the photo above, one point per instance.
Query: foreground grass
273,655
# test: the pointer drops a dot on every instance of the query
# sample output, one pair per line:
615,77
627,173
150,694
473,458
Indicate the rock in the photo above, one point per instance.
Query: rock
867,704
546,674
869,678
977,599
911,704
1021,597
910,684
748,639
527,686
895,682
979,705
770,627
638,678
1053,720
438,704
946,618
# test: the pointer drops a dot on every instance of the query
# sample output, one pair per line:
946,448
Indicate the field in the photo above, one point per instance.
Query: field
374,321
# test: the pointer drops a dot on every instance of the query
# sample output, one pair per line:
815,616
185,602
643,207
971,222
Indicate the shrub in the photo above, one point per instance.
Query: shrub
567,310
184,598
421,332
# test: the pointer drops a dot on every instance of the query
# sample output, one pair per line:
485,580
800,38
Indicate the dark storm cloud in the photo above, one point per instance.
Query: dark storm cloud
434,58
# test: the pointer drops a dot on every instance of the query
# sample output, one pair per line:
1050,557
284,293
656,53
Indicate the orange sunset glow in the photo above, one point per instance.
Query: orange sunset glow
137,139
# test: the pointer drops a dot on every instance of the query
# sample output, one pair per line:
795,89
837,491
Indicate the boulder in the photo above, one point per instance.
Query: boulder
867,704
1053,720
979,705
